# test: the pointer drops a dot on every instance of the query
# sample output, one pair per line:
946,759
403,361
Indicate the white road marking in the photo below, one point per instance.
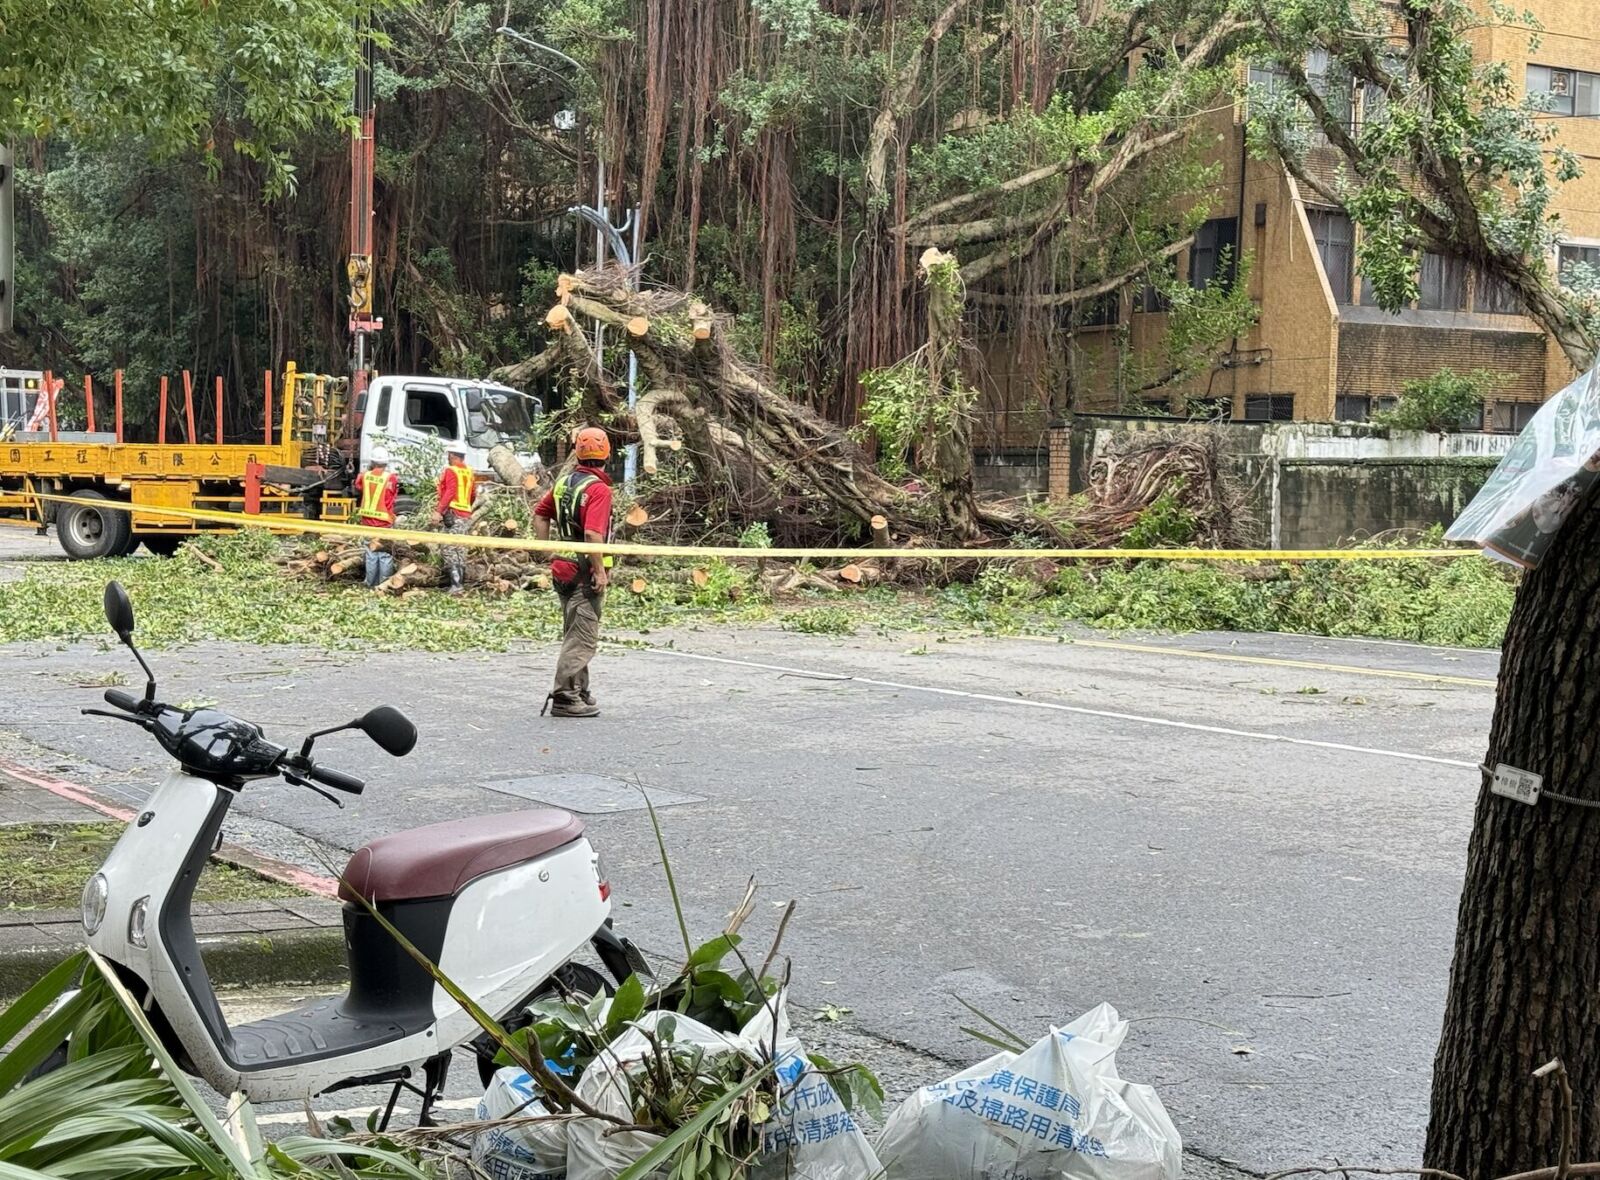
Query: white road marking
1054,706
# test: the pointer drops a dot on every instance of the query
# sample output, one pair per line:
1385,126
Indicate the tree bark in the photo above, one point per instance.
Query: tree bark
1525,983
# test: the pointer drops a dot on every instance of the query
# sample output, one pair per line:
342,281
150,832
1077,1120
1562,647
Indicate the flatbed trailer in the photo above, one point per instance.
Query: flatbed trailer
125,476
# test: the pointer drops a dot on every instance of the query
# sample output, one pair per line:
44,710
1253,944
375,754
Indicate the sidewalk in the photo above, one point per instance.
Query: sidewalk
268,941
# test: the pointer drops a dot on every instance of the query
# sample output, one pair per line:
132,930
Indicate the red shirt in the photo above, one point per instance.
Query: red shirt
594,515
447,491
391,487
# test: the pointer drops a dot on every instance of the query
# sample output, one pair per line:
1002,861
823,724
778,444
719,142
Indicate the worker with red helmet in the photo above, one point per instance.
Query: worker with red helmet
579,508
457,488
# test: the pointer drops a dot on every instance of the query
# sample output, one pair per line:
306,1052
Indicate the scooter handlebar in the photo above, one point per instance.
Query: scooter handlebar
125,701
338,780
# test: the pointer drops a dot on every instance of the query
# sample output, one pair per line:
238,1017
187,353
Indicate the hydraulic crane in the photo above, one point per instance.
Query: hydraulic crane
359,267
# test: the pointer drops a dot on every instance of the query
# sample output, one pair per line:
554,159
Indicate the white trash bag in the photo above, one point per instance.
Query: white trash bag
525,1151
1057,1111
810,1137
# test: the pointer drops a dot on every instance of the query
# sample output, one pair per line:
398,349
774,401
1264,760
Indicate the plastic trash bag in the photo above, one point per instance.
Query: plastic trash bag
1054,1111
810,1137
525,1151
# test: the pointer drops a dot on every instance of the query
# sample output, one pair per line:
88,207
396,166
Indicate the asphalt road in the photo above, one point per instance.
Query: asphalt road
1251,845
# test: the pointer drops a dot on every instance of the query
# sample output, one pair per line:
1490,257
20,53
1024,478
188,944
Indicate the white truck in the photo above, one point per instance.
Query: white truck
398,412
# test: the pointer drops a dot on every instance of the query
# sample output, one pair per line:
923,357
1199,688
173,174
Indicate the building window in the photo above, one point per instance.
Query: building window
1443,283
1513,417
1335,238
1215,252
1588,256
1493,296
1269,407
1100,311
1352,407
1565,92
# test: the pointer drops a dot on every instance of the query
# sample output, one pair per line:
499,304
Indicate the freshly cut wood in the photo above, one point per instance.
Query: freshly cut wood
880,532
510,526
320,557
638,326
509,470
850,573
409,569
397,582
638,585
699,577
558,319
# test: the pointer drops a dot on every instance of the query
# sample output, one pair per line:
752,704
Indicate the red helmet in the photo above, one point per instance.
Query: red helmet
591,443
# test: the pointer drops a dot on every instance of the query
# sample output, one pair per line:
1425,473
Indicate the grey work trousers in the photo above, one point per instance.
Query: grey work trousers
379,566
455,556
580,636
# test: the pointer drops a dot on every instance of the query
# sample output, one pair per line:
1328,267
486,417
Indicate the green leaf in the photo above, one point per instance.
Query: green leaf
37,998
626,1005
711,953
669,1147
1017,1044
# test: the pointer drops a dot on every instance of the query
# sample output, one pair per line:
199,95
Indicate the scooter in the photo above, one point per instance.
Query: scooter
499,903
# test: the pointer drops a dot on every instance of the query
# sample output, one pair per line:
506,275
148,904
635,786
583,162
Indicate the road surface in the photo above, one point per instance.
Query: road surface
1252,845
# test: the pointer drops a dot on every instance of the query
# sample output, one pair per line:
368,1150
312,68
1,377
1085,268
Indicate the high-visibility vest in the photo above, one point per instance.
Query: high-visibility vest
464,485
568,497
373,485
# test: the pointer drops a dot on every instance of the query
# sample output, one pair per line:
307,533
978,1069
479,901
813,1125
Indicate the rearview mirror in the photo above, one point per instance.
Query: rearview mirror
119,611
390,729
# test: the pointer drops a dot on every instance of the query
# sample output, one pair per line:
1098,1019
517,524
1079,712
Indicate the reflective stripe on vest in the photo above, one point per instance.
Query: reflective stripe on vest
464,483
373,486
568,497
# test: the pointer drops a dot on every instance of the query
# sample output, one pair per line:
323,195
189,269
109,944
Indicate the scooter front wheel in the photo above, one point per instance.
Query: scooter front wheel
571,979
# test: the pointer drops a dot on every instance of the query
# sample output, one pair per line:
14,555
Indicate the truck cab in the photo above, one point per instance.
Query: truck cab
401,413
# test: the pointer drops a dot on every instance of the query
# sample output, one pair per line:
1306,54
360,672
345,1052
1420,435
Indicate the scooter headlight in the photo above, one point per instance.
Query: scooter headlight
137,917
95,894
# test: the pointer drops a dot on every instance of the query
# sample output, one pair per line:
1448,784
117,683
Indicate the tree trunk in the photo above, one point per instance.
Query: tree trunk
1525,984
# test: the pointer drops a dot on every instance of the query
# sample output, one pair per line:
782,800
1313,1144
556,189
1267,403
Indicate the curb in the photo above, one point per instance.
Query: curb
234,960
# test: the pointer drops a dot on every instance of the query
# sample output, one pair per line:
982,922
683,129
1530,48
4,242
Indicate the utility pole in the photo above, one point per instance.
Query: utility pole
359,267
8,239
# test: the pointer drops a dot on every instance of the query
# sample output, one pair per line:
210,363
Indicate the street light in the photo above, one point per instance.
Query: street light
604,232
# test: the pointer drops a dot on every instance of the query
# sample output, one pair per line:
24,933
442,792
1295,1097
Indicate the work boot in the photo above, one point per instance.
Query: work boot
455,583
586,696
566,704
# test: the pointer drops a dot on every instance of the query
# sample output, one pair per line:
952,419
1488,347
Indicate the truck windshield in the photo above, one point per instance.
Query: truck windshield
499,416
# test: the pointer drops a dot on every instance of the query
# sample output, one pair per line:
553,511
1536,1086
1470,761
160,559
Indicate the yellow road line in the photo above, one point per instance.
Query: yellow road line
1269,661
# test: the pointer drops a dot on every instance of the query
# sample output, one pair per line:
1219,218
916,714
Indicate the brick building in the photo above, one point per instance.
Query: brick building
1321,350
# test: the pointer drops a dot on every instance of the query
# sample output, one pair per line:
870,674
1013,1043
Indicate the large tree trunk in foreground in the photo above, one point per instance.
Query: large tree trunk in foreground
1525,985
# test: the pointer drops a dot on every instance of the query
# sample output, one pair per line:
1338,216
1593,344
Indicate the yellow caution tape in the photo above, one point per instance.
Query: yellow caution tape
294,524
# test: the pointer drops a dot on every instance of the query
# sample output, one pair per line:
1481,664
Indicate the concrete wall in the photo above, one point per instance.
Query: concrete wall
1324,503
1012,472
1310,484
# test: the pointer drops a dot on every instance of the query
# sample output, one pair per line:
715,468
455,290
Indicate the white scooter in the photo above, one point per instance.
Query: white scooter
500,903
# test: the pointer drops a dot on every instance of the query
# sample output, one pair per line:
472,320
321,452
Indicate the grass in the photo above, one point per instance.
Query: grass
1464,602
44,866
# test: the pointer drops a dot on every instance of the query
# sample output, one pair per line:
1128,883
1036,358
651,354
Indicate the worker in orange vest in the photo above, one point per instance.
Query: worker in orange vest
376,489
454,511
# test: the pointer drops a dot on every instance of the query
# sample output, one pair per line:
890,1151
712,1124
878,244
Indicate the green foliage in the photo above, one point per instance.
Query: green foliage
819,620
1164,522
1443,402
162,71
119,1106
756,535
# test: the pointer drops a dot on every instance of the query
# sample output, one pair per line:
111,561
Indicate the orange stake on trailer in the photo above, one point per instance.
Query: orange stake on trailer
266,381
50,401
88,400
116,386
219,409
188,406
161,422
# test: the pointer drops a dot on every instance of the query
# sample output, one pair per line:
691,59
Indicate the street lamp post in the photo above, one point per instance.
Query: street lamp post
605,232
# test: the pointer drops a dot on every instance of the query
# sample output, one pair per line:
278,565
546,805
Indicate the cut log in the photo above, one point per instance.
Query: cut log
509,470
699,577
700,319
638,326
558,319
638,585
850,573
880,532
395,583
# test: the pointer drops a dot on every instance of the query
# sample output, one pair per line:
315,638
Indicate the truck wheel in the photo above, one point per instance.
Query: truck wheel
163,544
86,532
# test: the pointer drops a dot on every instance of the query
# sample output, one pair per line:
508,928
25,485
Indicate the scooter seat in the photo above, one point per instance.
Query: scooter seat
441,859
